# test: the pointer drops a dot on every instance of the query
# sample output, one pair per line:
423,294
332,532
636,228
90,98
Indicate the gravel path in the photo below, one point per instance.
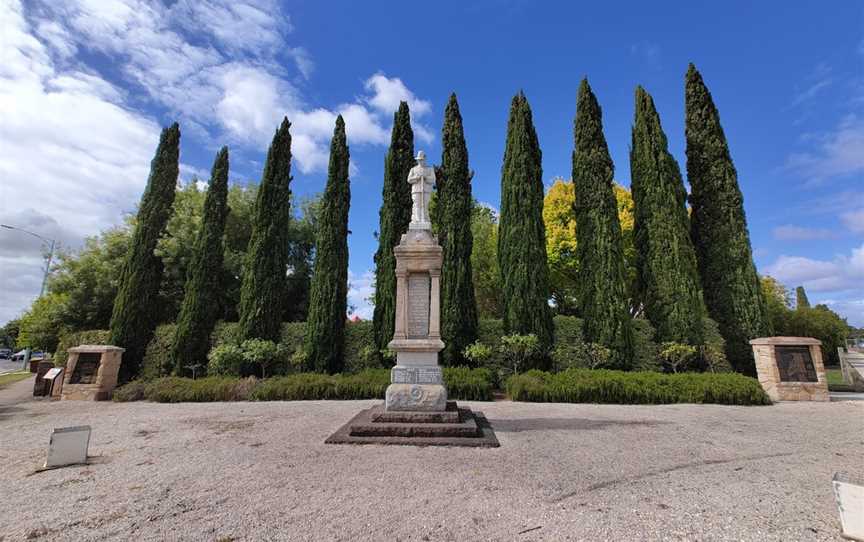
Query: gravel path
260,471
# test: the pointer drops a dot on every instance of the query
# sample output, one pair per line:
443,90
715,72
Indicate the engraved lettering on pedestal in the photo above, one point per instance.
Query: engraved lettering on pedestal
418,305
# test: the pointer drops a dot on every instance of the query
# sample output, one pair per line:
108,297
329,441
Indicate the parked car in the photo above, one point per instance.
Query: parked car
5,353
36,354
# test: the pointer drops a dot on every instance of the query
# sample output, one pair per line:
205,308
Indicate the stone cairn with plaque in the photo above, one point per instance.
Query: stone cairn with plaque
790,368
416,410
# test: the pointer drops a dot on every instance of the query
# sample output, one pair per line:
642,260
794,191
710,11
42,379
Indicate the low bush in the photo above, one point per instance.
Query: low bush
77,338
368,384
462,384
620,387
157,357
466,384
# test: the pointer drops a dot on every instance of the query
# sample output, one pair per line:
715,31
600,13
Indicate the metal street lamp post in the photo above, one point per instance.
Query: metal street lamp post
50,243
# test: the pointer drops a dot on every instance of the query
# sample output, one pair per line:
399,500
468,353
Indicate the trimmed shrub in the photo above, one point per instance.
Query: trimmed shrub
463,384
677,357
644,348
225,360
467,384
77,338
620,387
360,352
157,358
133,391
369,384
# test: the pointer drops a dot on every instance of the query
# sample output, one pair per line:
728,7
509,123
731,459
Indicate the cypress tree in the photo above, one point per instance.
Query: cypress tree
395,215
521,234
801,301
325,326
719,229
667,273
135,315
262,296
200,307
458,307
602,296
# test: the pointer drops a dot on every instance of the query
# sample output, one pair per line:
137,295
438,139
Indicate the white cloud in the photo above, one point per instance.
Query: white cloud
227,79
361,289
836,153
388,92
854,220
791,232
851,309
843,273
74,147
72,158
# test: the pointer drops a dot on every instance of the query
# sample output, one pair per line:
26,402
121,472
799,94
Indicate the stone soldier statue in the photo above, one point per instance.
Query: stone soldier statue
422,179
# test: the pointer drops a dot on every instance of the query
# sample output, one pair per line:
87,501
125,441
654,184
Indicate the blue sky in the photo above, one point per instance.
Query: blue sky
86,85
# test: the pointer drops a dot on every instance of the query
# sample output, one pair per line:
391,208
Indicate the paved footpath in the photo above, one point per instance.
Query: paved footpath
16,393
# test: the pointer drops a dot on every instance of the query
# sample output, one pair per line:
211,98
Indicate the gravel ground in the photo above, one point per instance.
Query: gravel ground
260,471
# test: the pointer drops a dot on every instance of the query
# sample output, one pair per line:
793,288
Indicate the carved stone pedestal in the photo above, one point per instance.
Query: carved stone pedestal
416,383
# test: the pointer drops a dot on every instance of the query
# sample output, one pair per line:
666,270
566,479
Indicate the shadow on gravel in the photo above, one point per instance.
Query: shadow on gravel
658,472
8,412
565,424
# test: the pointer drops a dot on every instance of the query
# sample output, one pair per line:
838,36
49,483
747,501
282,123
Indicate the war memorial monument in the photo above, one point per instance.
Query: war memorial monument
416,410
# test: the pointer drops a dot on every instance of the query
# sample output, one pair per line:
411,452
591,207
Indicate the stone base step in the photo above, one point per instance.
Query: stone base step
417,428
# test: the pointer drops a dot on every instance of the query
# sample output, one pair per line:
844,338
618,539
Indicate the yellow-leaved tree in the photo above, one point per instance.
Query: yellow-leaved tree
560,222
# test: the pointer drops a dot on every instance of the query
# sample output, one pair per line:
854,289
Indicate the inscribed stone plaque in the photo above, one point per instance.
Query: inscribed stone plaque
86,368
795,364
418,305
416,375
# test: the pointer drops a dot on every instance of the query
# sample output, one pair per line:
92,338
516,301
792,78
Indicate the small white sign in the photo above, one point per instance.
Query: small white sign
68,446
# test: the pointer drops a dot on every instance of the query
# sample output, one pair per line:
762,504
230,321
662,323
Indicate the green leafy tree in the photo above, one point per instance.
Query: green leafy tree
602,281
777,303
263,294
134,316
395,215
455,204
801,301
521,236
668,277
200,307
88,279
484,262
733,294
325,336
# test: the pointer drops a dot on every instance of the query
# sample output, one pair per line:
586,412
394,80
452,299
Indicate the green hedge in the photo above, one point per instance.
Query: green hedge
619,387
462,384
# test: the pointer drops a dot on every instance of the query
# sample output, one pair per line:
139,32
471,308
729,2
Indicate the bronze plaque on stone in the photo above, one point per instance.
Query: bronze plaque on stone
795,364
418,305
86,368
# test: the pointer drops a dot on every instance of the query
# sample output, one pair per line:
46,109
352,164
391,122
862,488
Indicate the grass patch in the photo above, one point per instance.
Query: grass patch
462,384
619,387
834,377
10,378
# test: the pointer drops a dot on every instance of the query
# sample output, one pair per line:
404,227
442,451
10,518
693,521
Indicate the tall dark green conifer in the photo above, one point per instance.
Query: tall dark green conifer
801,301
328,298
395,215
262,296
719,229
602,285
200,307
667,273
135,314
521,234
458,307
